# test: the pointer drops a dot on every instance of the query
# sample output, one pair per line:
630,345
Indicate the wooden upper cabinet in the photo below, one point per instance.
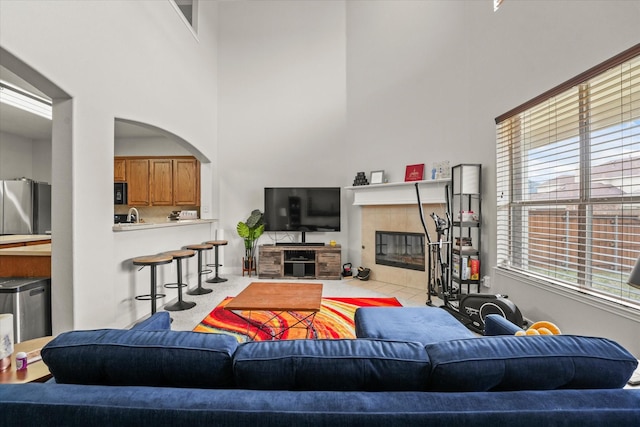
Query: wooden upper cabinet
161,182
119,169
186,182
138,182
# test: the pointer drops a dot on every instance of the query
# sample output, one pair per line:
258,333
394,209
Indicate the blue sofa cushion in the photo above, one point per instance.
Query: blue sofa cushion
494,324
529,363
37,405
421,324
139,357
337,365
160,321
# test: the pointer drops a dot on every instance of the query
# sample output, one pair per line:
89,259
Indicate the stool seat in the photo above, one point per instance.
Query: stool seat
152,261
199,247
216,244
179,255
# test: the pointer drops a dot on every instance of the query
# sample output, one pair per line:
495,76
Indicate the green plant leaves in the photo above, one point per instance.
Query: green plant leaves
251,230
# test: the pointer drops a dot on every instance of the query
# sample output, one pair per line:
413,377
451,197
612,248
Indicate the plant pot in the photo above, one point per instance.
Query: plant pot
248,265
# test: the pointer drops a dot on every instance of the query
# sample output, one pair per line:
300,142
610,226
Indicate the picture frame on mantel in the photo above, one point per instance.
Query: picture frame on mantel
377,177
414,173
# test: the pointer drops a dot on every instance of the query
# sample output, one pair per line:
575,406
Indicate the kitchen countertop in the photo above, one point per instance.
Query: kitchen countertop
22,238
146,225
31,250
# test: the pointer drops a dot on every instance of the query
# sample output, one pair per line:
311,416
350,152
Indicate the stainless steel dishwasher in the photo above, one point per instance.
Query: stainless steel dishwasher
29,300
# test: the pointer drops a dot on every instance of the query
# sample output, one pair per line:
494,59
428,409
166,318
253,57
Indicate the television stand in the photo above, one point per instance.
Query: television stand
299,260
299,244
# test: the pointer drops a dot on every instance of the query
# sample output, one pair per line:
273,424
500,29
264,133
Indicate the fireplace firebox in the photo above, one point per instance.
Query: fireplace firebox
400,249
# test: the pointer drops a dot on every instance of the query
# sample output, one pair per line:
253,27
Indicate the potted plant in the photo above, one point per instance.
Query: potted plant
250,230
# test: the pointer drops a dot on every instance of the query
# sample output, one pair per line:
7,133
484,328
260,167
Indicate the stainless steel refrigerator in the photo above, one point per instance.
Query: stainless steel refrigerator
25,207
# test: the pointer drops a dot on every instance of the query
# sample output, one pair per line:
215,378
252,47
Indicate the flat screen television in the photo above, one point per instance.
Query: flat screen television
305,209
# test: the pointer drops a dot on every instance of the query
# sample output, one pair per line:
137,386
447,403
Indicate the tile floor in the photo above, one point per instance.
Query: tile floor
188,319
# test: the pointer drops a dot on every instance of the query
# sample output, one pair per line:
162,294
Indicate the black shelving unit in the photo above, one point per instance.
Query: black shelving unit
466,204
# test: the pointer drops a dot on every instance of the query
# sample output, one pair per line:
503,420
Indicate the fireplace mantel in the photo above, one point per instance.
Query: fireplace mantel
399,193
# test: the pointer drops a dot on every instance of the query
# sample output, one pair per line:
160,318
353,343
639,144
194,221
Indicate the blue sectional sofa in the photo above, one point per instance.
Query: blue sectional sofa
152,376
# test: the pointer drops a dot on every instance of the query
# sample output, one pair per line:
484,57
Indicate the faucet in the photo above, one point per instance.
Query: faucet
137,215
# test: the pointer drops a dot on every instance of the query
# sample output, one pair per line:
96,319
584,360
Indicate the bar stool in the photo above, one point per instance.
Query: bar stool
199,248
180,304
152,261
216,244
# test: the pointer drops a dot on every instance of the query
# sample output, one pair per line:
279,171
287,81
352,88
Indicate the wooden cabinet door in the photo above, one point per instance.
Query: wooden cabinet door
119,170
161,173
186,182
138,182
328,264
270,262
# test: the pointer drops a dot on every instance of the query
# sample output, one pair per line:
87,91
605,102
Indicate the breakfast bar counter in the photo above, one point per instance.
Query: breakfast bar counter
11,240
26,261
147,225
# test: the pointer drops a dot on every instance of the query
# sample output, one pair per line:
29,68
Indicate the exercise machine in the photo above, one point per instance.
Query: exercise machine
469,309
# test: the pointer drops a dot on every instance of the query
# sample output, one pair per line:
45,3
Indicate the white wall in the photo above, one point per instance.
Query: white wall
282,103
408,89
561,39
310,92
424,81
148,146
41,160
23,157
131,60
15,156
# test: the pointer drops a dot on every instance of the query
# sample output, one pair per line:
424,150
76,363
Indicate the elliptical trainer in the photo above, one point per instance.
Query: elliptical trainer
471,309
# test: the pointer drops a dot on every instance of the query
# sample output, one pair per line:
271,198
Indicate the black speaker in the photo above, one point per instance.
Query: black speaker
298,270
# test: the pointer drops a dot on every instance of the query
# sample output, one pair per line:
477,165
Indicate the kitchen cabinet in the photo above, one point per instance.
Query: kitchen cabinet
119,169
138,182
186,182
161,181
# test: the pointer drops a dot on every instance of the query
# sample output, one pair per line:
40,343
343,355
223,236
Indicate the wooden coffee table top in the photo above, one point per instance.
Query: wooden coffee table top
267,296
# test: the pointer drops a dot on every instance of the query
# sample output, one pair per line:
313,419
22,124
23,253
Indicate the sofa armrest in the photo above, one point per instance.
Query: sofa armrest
160,321
494,324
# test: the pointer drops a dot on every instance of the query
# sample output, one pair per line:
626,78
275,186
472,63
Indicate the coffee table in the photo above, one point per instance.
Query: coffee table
36,370
304,298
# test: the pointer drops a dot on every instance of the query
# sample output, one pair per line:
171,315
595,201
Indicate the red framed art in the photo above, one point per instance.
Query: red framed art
414,173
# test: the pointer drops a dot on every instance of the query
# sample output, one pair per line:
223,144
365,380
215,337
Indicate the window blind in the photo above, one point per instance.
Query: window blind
568,181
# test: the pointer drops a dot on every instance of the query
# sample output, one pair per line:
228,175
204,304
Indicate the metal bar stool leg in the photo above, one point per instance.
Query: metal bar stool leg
180,304
152,261
200,290
216,244
154,292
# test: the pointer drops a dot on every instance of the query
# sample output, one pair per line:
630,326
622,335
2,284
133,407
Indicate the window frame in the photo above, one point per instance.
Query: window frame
513,202
193,25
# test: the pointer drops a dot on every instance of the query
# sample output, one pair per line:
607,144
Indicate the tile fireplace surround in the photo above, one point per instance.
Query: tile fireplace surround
393,207
402,218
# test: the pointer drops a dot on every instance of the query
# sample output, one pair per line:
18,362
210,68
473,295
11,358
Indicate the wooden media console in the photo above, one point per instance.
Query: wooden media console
299,261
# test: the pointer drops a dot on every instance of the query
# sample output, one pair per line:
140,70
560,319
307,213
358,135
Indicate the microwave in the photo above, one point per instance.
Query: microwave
120,193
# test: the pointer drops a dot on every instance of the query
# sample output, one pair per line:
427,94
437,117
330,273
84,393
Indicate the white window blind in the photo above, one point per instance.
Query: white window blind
568,182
